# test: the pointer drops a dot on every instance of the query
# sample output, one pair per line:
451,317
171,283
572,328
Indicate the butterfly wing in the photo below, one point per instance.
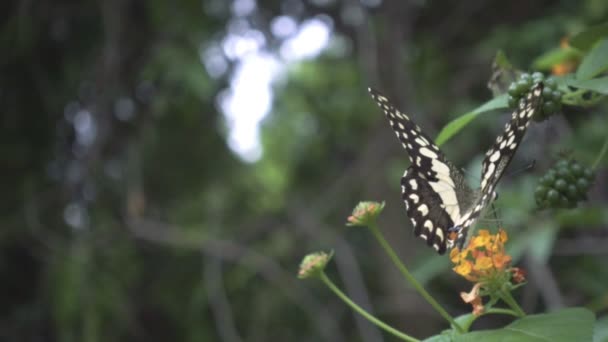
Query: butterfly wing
434,191
426,209
499,156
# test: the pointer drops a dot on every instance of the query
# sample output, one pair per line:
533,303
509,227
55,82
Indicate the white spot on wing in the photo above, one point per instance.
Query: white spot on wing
420,141
428,224
423,209
414,198
413,184
428,153
510,141
488,174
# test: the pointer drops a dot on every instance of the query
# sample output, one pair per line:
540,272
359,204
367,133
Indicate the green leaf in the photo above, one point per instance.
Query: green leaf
459,123
599,84
586,39
466,320
556,56
595,62
573,324
439,338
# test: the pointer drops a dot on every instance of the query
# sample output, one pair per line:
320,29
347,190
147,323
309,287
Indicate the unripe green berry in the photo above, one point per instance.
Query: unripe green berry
563,172
521,87
550,82
572,192
583,185
547,180
512,89
553,196
561,185
538,76
576,169
540,191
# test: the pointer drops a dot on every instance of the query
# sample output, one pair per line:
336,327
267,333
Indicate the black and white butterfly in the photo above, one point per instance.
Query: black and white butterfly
439,203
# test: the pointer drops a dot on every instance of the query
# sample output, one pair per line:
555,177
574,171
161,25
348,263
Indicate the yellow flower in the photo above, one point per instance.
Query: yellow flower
464,268
483,263
482,239
455,255
502,236
484,258
501,260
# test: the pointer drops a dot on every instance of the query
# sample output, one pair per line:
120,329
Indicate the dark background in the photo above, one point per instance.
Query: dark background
126,216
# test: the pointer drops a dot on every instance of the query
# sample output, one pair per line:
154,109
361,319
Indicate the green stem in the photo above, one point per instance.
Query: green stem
507,298
601,155
364,313
575,98
471,318
408,276
501,311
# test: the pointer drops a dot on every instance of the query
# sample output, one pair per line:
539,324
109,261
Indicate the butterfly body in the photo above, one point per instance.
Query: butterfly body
437,199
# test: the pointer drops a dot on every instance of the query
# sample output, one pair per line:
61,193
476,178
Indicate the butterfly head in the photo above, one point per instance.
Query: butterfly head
454,233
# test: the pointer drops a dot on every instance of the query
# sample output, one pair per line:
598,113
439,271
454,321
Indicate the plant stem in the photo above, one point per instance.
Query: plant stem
502,311
601,155
575,98
507,298
364,313
408,276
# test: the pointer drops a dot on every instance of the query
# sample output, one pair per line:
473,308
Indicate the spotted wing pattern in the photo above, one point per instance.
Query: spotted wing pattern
425,209
434,191
499,156
438,202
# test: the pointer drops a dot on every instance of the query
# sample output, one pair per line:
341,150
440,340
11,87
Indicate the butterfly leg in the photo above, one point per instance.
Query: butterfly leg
494,210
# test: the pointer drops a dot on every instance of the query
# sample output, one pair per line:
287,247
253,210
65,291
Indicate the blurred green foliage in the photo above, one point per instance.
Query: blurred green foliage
154,230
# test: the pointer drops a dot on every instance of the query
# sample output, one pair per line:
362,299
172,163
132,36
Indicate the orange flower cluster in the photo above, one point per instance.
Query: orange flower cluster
485,263
484,257
566,65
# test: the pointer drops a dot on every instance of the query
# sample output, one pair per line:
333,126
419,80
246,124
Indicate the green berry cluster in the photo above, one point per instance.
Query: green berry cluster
551,95
564,185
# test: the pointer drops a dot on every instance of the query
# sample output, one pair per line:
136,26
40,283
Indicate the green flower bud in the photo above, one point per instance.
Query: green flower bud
313,265
365,213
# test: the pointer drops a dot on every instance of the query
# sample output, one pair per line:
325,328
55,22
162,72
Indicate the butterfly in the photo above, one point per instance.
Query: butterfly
441,206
